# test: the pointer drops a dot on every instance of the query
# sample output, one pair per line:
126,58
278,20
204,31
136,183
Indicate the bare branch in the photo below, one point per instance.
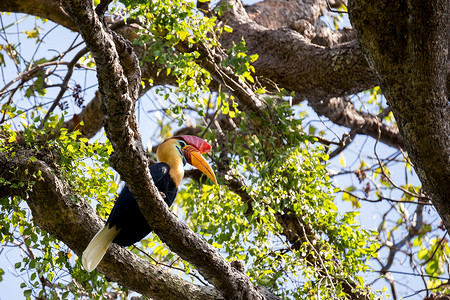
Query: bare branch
341,111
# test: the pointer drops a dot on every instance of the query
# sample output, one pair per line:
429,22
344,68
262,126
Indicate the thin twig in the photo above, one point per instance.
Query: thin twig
426,289
41,40
65,85
435,250
170,267
384,198
387,176
347,139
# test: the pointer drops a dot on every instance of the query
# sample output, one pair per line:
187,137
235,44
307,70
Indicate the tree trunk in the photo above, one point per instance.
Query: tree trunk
407,44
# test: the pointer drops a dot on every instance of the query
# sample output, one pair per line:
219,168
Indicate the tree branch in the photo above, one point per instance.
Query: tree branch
295,64
47,9
341,111
77,222
119,96
301,16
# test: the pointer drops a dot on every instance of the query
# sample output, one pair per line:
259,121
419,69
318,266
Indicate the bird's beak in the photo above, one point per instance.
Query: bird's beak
195,158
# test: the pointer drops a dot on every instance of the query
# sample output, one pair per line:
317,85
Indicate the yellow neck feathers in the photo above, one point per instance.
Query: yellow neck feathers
168,153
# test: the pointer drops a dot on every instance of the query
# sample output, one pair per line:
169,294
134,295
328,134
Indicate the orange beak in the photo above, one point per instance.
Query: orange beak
195,158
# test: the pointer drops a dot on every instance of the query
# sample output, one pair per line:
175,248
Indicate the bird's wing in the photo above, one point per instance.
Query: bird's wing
159,172
126,202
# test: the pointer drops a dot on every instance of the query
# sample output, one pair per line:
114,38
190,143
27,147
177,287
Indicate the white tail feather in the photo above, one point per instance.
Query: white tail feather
96,249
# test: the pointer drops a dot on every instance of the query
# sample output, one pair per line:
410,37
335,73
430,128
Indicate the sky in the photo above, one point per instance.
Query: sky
58,38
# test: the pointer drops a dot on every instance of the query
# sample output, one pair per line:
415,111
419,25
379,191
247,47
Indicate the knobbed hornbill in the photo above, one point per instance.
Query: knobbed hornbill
126,225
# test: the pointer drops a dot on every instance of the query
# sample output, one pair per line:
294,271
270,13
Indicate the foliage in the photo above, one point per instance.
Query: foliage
53,270
284,176
164,25
290,179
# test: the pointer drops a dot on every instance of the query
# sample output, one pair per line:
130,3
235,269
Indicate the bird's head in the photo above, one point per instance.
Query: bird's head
178,150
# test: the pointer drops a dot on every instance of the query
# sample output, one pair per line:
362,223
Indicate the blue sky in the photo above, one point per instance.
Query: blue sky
59,38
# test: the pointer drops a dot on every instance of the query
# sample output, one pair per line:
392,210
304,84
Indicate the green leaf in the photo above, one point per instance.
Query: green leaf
342,160
417,242
432,268
228,28
422,254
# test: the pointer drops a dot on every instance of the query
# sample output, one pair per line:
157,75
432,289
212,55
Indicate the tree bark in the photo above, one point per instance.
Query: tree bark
119,74
76,223
286,57
407,44
296,64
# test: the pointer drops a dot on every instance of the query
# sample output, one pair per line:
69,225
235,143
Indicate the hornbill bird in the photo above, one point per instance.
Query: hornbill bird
126,225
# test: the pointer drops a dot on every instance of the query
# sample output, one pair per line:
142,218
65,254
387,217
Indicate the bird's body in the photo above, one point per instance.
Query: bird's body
126,215
126,225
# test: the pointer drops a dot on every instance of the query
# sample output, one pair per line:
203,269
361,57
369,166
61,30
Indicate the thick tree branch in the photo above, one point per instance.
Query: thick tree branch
48,9
341,111
295,64
77,222
301,16
119,96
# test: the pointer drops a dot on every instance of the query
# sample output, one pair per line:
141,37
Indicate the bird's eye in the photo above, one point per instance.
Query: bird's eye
182,144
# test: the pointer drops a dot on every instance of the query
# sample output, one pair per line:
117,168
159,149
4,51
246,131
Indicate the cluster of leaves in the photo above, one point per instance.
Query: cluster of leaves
434,257
164,25
85,167
52,271
240,62
168,26
287,179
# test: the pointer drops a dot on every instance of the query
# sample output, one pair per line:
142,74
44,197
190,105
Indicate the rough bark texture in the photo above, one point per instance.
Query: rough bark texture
119,75
287,57
77,223
301,16
407,44
291,61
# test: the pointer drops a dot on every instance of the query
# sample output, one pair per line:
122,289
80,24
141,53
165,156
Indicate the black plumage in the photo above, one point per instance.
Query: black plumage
126,225
126,215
